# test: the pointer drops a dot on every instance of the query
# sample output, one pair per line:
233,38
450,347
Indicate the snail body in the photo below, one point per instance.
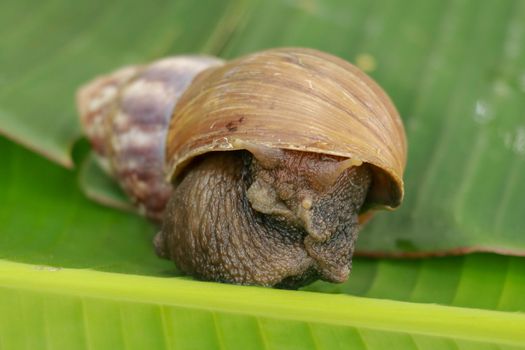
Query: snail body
270,162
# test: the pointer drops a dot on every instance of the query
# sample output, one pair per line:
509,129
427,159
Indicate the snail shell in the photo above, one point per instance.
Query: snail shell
295,99
126,115
273,157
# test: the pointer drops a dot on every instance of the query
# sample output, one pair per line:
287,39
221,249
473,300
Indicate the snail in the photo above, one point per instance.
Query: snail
259,170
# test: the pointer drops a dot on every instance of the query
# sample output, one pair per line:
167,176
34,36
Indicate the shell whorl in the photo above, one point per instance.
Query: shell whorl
126,115
296,99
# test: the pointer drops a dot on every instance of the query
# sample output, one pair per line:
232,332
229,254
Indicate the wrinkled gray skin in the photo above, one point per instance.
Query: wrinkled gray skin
284,219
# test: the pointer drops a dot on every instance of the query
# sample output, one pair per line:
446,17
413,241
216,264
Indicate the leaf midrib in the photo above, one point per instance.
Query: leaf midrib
388,315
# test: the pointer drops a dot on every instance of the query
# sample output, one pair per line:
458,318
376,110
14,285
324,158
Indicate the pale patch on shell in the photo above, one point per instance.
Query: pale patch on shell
140,89
185,63
137,138
106,94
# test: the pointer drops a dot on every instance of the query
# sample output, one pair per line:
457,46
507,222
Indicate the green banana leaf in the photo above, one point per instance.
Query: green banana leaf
75,274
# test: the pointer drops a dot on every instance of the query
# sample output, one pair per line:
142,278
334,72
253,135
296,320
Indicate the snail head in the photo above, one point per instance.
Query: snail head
320,194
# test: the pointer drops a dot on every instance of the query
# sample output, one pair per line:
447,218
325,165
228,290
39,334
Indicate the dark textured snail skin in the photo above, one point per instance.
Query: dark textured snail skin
233,218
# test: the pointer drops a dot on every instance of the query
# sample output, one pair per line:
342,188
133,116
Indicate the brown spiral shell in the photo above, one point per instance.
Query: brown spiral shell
297,99
126,114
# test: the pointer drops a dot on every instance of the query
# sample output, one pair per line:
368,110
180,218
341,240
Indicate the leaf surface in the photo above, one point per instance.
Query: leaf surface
77,274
